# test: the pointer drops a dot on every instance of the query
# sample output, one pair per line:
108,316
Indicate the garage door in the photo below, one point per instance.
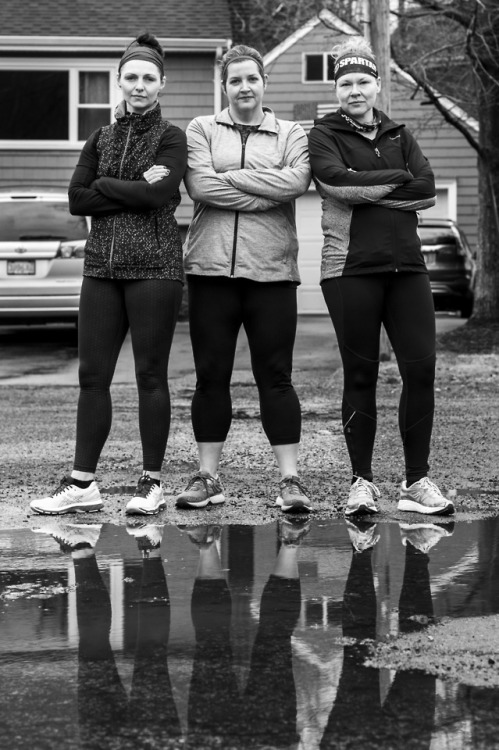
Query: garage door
308,224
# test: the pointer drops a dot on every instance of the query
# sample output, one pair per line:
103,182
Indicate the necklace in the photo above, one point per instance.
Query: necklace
364,127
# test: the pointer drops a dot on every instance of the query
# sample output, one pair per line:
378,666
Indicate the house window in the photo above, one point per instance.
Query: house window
59,106
94,109
41,115
318,68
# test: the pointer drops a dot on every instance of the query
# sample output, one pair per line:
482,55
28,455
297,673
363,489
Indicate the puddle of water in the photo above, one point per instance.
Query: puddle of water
238,637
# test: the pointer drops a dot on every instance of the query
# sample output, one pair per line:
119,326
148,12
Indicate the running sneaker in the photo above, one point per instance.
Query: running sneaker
424,536
290,531
148,535
362,534
68,498
201,490
361,498
72,536
292,496
424,497
148,499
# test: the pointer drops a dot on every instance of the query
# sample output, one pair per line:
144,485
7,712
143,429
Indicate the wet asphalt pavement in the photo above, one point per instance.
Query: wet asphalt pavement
154,636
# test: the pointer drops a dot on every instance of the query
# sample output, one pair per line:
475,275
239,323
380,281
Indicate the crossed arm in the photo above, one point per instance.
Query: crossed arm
412,189
246,189
91,196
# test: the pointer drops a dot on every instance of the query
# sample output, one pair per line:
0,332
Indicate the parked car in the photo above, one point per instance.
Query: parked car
451,265
41,257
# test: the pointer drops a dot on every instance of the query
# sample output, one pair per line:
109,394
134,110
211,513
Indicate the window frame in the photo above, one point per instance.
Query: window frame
74,68
325,56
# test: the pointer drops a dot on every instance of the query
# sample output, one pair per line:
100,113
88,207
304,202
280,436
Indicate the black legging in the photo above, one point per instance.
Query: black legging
108,308
218,306
402,302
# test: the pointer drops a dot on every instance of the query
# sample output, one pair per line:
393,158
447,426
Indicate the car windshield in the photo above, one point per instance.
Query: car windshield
40,220
436,236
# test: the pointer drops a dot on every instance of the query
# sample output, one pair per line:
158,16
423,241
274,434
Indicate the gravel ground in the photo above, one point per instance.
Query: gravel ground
38,441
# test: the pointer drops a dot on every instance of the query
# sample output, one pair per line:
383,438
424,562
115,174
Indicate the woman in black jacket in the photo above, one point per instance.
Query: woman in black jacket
127,179
373,178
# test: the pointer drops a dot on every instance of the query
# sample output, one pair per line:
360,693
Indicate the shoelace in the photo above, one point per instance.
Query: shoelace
199,481
65,483
426,483
294,486
145,485
366,489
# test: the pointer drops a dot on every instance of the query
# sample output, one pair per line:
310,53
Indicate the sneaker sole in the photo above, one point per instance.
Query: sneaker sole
145,511
297,507
412,506
90,508
362,510
185,503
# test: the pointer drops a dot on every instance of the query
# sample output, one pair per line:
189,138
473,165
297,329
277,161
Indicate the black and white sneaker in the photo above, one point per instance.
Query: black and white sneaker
68,498
148,499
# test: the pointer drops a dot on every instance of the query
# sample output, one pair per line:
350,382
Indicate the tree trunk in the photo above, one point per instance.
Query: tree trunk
487,70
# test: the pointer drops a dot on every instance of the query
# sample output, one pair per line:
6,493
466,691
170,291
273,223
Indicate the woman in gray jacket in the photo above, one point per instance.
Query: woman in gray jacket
245,169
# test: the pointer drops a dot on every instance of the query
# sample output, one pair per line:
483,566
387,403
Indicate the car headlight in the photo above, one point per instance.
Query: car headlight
75,249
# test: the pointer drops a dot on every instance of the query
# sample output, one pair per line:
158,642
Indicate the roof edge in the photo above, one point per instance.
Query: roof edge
103,43
291,40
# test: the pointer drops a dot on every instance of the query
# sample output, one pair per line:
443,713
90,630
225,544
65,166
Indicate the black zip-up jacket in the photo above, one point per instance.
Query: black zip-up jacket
134,234
371,190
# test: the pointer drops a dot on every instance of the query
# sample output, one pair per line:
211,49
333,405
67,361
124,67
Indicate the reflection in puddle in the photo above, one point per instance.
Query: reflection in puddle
153,636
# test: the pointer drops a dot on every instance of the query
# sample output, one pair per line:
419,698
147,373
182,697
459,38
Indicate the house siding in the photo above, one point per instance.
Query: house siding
189,92
451,156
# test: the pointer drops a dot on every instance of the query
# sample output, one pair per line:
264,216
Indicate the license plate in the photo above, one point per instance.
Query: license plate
21,267
430,258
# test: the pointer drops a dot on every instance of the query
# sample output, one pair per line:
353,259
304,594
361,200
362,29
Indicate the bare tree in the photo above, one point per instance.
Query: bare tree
451,48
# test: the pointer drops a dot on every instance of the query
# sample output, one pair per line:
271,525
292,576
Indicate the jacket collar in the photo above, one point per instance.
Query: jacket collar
140,122
269,122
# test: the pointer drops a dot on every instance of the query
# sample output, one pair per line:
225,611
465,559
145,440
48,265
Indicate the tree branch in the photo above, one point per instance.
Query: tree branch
436,100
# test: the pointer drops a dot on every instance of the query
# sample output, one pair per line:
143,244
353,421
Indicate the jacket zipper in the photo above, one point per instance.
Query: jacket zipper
378,154
236,219
111,252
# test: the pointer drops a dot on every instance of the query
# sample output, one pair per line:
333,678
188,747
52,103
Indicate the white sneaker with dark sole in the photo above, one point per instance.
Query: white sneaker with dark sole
68,498
148,499
424,497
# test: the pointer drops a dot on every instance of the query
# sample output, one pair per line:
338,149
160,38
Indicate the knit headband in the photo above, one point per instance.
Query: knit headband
349,63
138,51
239,59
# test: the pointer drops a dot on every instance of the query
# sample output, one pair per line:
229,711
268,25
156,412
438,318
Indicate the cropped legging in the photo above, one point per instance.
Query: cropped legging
218,307
108,309
402,302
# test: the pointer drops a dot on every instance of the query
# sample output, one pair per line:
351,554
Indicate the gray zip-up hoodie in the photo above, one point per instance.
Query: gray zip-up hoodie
244,214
